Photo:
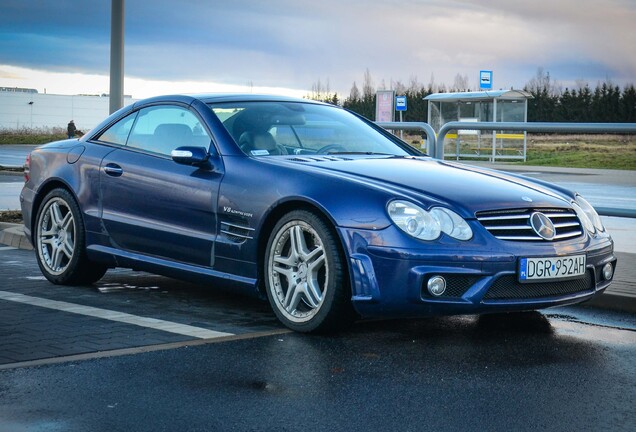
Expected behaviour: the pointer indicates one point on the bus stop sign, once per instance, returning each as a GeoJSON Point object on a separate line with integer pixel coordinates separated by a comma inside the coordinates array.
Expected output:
{"type": "Point", "coordinates": [400, 103]}
{"type": "Point", "coordinates": [485, 80]}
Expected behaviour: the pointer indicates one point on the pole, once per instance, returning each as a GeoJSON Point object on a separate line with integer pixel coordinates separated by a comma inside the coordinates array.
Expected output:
{"type": "Point", "coordinates": [425, 127]}
{"type": "Point", "coordinates": [116, 55]}
{"type": "Point", "coordinates": [494, 132]}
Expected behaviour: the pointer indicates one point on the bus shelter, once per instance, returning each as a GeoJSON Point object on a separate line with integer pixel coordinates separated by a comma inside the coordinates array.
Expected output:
{"type": "Point", "coordinates": [481, 106]}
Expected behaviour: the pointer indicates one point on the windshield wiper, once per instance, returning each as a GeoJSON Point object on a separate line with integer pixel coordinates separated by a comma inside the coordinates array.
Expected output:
{"type": "Point", "coordinates": [393, 156]}
{"type": "Point", "coordinates": [359, 153]}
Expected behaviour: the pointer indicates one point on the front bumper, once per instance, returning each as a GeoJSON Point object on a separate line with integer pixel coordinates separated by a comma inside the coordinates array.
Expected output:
{"type": "Point", "coordinates": [481, 275]}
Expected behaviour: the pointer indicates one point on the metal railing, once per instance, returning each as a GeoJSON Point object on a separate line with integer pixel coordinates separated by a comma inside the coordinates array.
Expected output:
{"type": "Point", "coordinates": [595, 128]}
{"type": "Point", "coordinates": [420, 126]}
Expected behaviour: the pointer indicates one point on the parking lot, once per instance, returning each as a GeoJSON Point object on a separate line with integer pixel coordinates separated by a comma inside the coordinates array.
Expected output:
{"type": "Point", "coordinates": [143, 352]}
{"type": "Point", "coordinates": [124, 310]}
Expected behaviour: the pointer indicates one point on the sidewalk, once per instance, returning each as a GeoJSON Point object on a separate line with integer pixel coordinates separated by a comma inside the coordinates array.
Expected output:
{"type": "Point", "coordinates": [620, 296]}
{"type": "Point", "coordinates": [13, 235]}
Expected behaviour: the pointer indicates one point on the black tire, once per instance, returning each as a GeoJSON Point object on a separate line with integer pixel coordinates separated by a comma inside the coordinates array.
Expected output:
{"type": "Point", "coordinates": [60, 242]}
{"type": "Point", "coordinates": [305, 277]}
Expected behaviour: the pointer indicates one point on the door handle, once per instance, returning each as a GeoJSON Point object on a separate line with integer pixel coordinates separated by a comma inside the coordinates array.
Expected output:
{"type": "Point", "coordinates": [113, 170]}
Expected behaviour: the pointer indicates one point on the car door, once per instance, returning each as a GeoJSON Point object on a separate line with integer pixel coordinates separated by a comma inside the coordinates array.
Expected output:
{"type": "Point", "coordinates": [152, 205]}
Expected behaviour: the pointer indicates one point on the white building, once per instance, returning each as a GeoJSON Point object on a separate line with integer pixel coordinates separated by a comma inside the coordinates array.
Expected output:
{"type": "Point", "coordinates": [24, 108]}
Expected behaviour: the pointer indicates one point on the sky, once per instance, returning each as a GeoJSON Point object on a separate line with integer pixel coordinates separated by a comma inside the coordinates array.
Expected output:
{"type": "Point", "coordinates": [286, 46]}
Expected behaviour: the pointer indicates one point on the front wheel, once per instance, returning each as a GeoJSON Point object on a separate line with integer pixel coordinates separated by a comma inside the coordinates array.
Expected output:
{"type": "Point", "coordinates": [305, 277]}
{"type": "Point", "coordinates": [60, 242]}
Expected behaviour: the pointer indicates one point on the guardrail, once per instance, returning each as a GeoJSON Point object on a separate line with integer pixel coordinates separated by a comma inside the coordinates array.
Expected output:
{"type": "Point", "coordinates": [435, 143]}
{"type": "Point", "coordinates": [612, 128]}
{"type": "Point", "coordinates": [431, 140]}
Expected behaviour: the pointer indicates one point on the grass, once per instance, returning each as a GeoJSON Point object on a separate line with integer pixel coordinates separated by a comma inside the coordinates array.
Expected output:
{"type": "Point", "coordinates": [573, 151]}
{"type": "Point", "coordinates": [31, 136]}
{"type": "Point", "coordinates": [609, 152]}
{"type": "Point", "coordinates": [11, 216]}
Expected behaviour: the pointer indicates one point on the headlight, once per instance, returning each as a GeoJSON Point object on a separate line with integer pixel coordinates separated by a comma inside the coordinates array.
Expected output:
{"type": "Point", "coordinates": [590, 214]}
{"type": "Point", "coordinates": [452, 224]}
{"type": "Point", "coordinates": [424, 225]}
{"type": "Point", "coordinates": [414, 220]}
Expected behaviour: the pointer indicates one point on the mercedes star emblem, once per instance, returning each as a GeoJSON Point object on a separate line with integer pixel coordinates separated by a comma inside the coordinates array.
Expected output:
{"type": "Point", "coordinates": [542, 225]}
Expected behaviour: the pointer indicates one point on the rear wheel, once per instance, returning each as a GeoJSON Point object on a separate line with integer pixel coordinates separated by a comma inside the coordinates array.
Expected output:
{"type": "Point", "coordinates": [60, 242]}
{"type": "Point", "coordinates": [305, 277]}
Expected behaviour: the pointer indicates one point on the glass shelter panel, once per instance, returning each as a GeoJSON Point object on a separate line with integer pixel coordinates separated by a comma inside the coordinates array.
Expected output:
{"type": "Point", "coordinates": [491, 106]}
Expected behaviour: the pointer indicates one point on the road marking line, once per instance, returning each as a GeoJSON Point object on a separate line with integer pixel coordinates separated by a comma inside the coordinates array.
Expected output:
{"type": "Point", "coordinates": [157, 324]}
{"type": "Point", "coordinates": [7, 248]}
{"type": "Point", "coordinates": [140, 349]}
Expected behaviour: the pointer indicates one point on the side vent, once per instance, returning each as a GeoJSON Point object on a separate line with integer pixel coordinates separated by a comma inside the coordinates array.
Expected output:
{"type": "Point", "coordinates": [237, 231]}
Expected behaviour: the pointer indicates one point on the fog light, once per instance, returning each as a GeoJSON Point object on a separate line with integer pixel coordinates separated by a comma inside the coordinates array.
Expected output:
{"type": "Point", "coordinates": [608, 271]}
{"type": "Point", "coordinates": [436, 285]}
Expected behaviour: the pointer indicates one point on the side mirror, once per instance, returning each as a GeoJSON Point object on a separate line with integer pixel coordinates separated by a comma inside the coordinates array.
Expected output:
{"type": "Point", "coordinates": [195, 156]}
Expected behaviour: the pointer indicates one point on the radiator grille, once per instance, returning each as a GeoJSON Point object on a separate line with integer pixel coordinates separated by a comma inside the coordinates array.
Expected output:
{"type": "Point", "coordinates": [514, 225]}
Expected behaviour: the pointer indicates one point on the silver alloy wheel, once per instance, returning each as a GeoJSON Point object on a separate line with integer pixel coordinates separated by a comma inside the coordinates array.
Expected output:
{"type": "Point", "coordinates": [298, 271]}
{"type": "Point", "coordinates": [56, 236]}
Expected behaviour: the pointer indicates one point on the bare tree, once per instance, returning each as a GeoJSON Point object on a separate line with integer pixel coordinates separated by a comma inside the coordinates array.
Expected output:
{"type": "Point", "coordinates": [432, 86]}
{"type": "Point", "coordinates": [581, 84]}
{"type": "Point", "coordinates": [368, 90]}
{"type": "Point", "coordinates": [542, 82]}
{"type": "Point", "coordinates": [319, 91]}
{"type": "Point", "coordinates": [399, 87]}
{"type": "Point", "coordinates": [461, 83]}
{"type": "Point", "coordinates": [414, 84]}
{"type": "Point", "coordinates": [322, 92]}
{"type": "Point", "coordinates": [354, 94]}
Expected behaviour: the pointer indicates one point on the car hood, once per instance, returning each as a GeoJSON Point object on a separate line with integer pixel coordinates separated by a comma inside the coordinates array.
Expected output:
{"type": "Point", "coordinates": [465, 187]}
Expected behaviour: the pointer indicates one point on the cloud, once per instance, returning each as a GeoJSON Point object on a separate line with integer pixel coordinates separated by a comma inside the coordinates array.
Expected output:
{"type": "Point", "coordinates": [83, 83]}
{"type": "Point", "coordinates": [293, 43]}
{"type": "Point", "coordinates": [10, 73]}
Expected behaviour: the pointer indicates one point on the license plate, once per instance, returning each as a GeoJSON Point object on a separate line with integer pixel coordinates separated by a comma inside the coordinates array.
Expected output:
{"type": "Point", "coordinates": [551, 268]}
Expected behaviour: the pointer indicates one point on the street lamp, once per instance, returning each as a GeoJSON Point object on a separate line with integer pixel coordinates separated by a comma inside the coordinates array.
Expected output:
{"type": "Point", "coordinates": [116, 56]}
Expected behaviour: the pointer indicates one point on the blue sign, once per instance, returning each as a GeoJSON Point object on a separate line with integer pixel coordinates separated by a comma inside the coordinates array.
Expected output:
{"type": "Point", "coordinates": [485, 80]}
{"type": "Point", "coordinates": [400, 103]}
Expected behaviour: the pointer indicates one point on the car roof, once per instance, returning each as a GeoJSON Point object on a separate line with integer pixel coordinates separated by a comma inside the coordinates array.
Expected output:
{"type": "Point", "coordinates": [248, 97]}
{"type": "Point", "coordinates": [224, 97]}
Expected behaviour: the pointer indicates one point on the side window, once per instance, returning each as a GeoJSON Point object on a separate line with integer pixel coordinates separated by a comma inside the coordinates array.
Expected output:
{"type": "Point", "coordinates": [118, 133]}
{"type": "Point", "coordinates": [161, 129]}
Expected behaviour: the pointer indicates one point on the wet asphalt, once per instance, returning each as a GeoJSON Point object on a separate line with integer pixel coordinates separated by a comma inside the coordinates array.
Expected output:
{"type": "Point", "coordinates": [567, 369]}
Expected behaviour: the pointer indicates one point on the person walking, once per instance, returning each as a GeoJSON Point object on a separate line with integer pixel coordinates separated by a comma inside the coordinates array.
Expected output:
{"type": "Point", "coordinates": [71, 129]}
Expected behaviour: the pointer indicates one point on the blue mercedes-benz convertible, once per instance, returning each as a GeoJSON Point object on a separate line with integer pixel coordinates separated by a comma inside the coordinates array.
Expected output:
{"type": "Point", "coordinates": [328, 215]}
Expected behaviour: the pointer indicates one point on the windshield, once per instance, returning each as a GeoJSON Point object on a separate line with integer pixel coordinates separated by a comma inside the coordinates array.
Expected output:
{"type": "Point", "coordinates": [296, 128]}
